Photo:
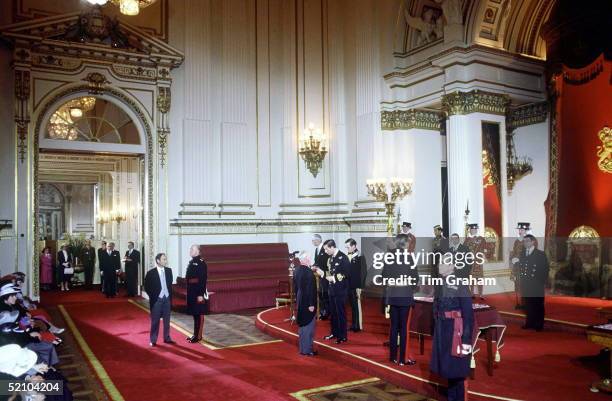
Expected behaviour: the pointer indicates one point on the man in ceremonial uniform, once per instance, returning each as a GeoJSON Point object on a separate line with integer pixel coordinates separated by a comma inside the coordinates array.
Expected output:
{"type": "Point", "coordinates": [101, 251]}
{"type": "Point", "coordinates": [337, 277]}
{"type": "Point", "coordinates": [533, 270]}
{"type": "Point", "coordinates": [439, 246]}
{"type": "Point", "coordinates": [515, 254]}
{"type": "Point", "coordinates": [320, 260]}
{"type": "Point", "coordinates": [407, 230]}
{"type": "Point", "coordinates": [132, 261]}
{"type": "Point", "coordinates": [88, 258]}
{"type": "Point", "coordinates": [110, 263]}
{"type": "Point", "coordinates": [357, 276]}
{"type": "Point", "coordinates": [197, 295]}
{"type": "Point", "coordinates": [451, 347]}
{"type": "Point", "coordinates": [476, 244]}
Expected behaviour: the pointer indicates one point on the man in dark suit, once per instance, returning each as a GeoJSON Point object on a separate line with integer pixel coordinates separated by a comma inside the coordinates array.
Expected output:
{"type": "Point", "coordinates": [337, 277]}
{"type": "Point", "coordinates": [88, 258]}
{"type": "Point", "coordinates": [459, 252]}
{"type": "Point", "coordinates": [101, 251]}
{"type": "Point", "coordinates": [320, 261]}
{"type": "Point", "coordinates": [132, 261]}
{"type": "Point", "coordinates": [158, 286]}
{"type": "Point", "coordinates": [357, 277]}
{"type": "Point", "coordinates": [533, 270]}
{"type": "Point", "coordinates": [111, 265]}
{"type": "Point", "coordinates": [306, 297]}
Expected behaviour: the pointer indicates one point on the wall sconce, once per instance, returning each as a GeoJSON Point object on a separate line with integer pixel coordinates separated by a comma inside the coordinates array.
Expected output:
{"type": "Point", "coordinates": [118, 215]}
{"type": "Point", "coordinates": [103, 217]}
{"type": "Point", "coordinates": [312, 149]}
{"type": "Point", "coordinates": [389, 192]}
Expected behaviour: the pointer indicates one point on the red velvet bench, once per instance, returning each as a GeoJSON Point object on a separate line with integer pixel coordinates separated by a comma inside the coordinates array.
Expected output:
{"type": "Point", "coordinates": [242, 276]}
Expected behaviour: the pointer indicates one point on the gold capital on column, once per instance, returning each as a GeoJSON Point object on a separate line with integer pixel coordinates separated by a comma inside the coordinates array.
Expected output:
{"type": "Point", "coordinates": [475, 101]}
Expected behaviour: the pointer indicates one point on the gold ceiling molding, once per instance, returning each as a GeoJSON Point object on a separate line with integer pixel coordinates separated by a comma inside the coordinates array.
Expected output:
{"type": "Point", "coordinates": [476, 101]}
{"type": "Point", "coordinates": [409, 119]}
{"type": "Point", "coordinates": [153, 20]}
{"type": "Point", "coordinates": [604, 152]}
{"type": "Point", "coordinates": [528, 114]}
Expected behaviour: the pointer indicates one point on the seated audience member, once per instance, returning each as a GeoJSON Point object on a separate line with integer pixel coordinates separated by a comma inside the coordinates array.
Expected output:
{"type": "Point", "coordinates": [14, 331]}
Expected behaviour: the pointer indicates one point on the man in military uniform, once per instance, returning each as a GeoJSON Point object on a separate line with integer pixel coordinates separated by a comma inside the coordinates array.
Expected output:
{"type": "Point", "coordinates": [88, 258]}
{"type": "Point", "coordinates": [533, 270]}
{"type": "Point", "coordinates": [320, 260]}
{"type": "Point", "coordinates": [476, 244]}
{"type": "Point", "coordinates": [439, 246]}
{"type": "Point", "coordinates": [407, 230]}
{"type": "Point", "coordinates": [357, 276]}
{"type": "Point", "coordinates": [516, 252]}
{"type": "Point", "coordinates": [337, 277]}
{"type": "Point", "coordinates": [197, 275]}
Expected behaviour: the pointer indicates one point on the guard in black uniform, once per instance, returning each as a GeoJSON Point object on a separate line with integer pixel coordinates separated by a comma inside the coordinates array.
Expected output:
{"type": "Point", "coordinates": [398, 300]}
{"type": "Point", "coordinates": [320, 261]}
{"type": "Point", "coordinates": [337, 277]}
{"type": "Point", "coordinates": [452, 338]}
{"type": "Point", "coordinates": [439, 246]}
{"type": "Point", "coordinates": [533, 270]}
{"type": "Point", "coordinates": [459, 252]}
{"type": "Point", "coordinates": [357, 276]}
{"type": "Point", "coordinates": [197, 295]}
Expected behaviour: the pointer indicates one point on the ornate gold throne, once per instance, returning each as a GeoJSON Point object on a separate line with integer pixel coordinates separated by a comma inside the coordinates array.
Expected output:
{"type": "Point", "coordinates": [581, 271]}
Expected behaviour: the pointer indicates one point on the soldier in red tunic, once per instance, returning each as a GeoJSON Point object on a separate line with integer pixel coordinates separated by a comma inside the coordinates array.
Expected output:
{"type": "Point", "coordinates": [477, 244]}
{"type": "Point", "coordinates": [407, 230]}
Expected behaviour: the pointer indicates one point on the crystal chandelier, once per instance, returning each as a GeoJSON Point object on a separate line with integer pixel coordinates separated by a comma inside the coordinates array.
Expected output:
{"type": "Point", "coordinates": [61, 125]}
{"type": "Point", "coordinates": [80, 106]}
{"type": "Point", "coordinates": [126, 7]}
{"type": "Point", "coordinates": [516, 167]}
{"type": "Point", "coordinates": [313, 150]}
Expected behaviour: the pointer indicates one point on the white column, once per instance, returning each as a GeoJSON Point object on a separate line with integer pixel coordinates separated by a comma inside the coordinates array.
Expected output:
{"type": "Point", "coordinates": [464, 153]}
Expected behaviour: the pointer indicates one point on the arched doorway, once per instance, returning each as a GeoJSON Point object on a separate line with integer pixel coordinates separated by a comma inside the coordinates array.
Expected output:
{"type": "Point", "coordinates": [94, 147]}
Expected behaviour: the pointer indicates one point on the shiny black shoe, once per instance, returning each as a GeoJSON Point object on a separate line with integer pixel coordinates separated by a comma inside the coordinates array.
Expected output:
{"type": "Point", "coordinates": [328, 337]}
{"type": "Point", "coordinates": [409, 362]}
{"type": "Point", "coordinates": [194, 340]}
{"type": "Point", "coordinates": [169, 342]}
{"type": "Point", "coordinates": [313, 353]}
{"type": "Point", "coordinates": [340, 340]}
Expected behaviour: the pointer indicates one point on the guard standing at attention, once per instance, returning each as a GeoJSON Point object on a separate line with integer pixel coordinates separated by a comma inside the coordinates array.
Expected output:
{"type": "Point", "coordinates": [197, 295]}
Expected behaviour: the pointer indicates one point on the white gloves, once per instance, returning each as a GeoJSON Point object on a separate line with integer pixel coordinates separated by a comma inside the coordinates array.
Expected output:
{"type": "Point", "coordinates": [464, 349]}
{"type": "Point", "coordinates": [331, 279]}
{"type": "Point", "coordinates": [514, 260]}
{"type": "Point", "coordinates": [206, 294]}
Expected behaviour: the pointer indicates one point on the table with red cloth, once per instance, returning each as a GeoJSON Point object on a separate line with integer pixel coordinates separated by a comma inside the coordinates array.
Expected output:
{"type": "Point", "coordinates": [488, 326]}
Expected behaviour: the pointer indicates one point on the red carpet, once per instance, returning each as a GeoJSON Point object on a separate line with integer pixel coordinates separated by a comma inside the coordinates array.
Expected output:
{"type": "Point", "coordinates": [546, 366]}
{"type": "Point", "coordinates": [567, 309]}
{"type": "Point", "coordinates": [117, 333]}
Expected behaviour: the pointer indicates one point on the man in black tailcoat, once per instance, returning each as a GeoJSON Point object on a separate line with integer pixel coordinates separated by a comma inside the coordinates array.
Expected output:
{"type": "Point", "coordinates": [132, 261]}
{"type": "Point", "coordinates": [197, 295]}
{"type": "Point", "coordinates": [101, 251]}
{"type": "Point", "coordinates": [357, 277]}
{"type": "Point", "coordinates": [88, 258]}
{"type": "Point", "coordinates": [111, 264]}
{"type": "Point", "coordinates": [459, 252]}
{"type": "Point", "coordinates": [305, 285]}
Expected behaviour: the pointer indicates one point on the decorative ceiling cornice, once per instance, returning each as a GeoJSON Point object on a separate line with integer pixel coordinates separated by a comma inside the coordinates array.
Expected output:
{"type": "Point", "coordinates": [528, 114]}
{"type": "Point", "coordinates": [409, 119]}
{"type": "Point", "coordinates": [475, 101]}
{"type": "Point", "coordinates": [92, 35]}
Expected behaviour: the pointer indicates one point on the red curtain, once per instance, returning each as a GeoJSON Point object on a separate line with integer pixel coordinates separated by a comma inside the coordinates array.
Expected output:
{"type": "Point", "coordinates": [492, 209]}
{"type": "Point", "coordinates": [584, 107]}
